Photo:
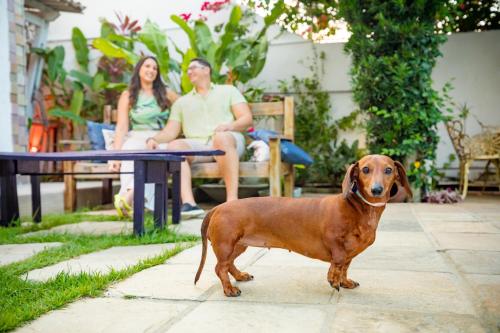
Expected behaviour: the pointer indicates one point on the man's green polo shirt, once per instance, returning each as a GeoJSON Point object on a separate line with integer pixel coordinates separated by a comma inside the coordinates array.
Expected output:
{"type": "Point", "coordinates": [200, 115]}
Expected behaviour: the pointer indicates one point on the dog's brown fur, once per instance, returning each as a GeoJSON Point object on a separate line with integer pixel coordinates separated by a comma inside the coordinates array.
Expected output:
{"type": "Point", "coordinates": [334, 229]}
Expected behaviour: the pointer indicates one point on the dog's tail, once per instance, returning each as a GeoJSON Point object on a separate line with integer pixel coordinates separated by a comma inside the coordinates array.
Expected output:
{"type": "Point", "coordinates": [204, 228]}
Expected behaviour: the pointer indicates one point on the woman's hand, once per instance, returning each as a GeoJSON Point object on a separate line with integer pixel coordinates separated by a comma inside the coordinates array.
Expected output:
{"type": "Point", "coordinates": [152, 143]}
{"type": "Point", "coordinates": [114, 166]}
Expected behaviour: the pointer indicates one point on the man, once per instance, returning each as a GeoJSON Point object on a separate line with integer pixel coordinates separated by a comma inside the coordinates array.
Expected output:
{"type": "Point", "coordinates": [211, 116]}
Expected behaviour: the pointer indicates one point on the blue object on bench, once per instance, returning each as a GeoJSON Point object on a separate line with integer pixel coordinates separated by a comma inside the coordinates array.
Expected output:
{"type": "Point", "coordinates": [290, 152]}
{"type": "Point", "coordinates": [96, 138]}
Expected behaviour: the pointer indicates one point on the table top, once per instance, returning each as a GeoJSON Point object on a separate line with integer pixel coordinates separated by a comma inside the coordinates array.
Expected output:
{"type": "Point", "coordinates": [155, 155]}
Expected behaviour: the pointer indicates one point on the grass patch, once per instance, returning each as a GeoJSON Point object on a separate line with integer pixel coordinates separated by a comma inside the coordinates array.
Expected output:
{"type": "Point", "coordinates": [22, 300]}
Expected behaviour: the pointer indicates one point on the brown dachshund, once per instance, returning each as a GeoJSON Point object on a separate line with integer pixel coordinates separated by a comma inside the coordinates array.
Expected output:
{"type": "Point", "coordinates": [334, 229]}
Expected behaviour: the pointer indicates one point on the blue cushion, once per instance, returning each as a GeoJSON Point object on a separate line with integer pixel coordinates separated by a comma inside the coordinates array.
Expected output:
{"type": "Point", "coordinates": [290, 152]}
{"type": "Point", "coordinates": [95, 134]}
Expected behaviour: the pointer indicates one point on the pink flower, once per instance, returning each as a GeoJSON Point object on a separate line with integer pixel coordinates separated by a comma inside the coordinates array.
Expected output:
{"type": "Point", "coordinates": [185, 16]}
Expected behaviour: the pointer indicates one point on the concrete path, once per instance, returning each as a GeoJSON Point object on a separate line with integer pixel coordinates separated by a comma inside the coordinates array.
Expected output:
{"type": "Point", "coordinates": [117, 258]}
{"type": "Point", "coordinates": [10, 253]}
{"type": "Point", "coordinates": [87, 228]}
{"type": "Point", "coordinates": [432, 269]}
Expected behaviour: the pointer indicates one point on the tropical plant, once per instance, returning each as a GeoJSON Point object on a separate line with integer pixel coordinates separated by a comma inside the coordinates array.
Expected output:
{"type": "Point", "coordinates": [236, 55]}
{"type": "Point", "coordinates": [315, 130]}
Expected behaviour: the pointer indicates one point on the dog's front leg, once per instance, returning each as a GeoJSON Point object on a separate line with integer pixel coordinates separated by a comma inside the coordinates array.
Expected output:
{"type": "Point", "coordinates": [345, 282]}
{"type": "Point", "coordinates": [336, 266]}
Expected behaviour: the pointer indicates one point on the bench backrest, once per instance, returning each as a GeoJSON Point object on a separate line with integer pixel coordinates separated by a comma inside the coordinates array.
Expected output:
{"type": "Point", "coordinates": [282, 109]}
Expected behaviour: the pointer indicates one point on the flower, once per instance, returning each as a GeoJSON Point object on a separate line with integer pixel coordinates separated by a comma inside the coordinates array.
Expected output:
{"type": "Point", "coordinates": [416, 164]}
{"type": "Point", "coordinates": [185, 16]}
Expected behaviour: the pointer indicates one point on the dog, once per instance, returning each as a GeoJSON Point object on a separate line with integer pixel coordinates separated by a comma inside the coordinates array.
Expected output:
{"type": "Point", "coordinates": [334, 229]}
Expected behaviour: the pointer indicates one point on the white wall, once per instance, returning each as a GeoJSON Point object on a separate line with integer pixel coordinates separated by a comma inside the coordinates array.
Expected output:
{"type": "Point", "coordinates": [6, 143]}
{"type": "Point", "coordinates": [472, 59]}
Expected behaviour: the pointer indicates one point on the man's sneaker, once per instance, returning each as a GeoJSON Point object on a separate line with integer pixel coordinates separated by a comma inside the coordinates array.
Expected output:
{"type": "Point", "coordinates": [189, 211]}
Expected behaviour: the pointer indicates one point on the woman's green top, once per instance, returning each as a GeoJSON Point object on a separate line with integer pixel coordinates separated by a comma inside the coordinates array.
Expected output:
{"type": "Point", "coordinates": [147, 114]}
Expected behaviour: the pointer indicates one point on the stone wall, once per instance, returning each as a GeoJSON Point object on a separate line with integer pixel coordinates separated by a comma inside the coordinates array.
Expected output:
{"type": "Point", "coordinates": [17, 57]}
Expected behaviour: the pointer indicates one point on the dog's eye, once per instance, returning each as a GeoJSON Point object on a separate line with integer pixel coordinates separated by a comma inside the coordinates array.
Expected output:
{"type": "Point", "coordinates": [388, 171]}
{"type": "Point", "coordinates": [366, 170]}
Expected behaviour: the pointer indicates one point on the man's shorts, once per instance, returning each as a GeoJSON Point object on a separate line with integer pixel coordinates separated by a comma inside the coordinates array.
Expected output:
{"type": "Point", "coordinates": [202, 144]}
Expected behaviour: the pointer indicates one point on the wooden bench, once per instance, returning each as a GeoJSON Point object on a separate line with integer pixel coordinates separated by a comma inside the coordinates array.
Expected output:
{"type": "Point", "coordinates": [274, 169]}
{"type": "Point", "coordinates": [281, 113]}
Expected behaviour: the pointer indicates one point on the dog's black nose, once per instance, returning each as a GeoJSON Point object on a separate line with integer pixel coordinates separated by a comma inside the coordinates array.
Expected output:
{"type": "Point", "coordinates": [377, 189]}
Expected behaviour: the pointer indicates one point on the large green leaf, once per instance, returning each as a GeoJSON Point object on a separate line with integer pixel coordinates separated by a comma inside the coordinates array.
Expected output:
{"type": "Point", "coordinates": [187, 29]}
{"type": "Point", "coordinates": [61, 113]}
{"type": "Point", "coordinates": [259, 55]}
{"type": "Point", "coordinates": [276, 12]}
{"type": "Point", "coordinates": [185, 82]}
{"type": "Point", "coordinates": [55, 61]}
{"type": "Point", "coordinates": [77, 102]}
{"type": "Point", "coordinates": [98, 82]}
{"type": "Point", "coordinates": [156, 41]}
{"type": "Point", "coordinates": [229, 33]}
{"type": "Point", "coordinates": [114, 51]}
{"type": "Point", "coordinates": [115, 86]}
{"type": "Point", "coordinates": [81, 48]}
{"type": "Point", "coordinates": [106, 29]}
{"type": "Point", "coordinates": [203, 38]}
{"type": "Point", "coordinates": [82, 77]}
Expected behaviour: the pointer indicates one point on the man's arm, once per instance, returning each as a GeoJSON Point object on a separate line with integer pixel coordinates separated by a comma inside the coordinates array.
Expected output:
{"type": "Point", "coordinates": [169, 133]}
{"type": "Point", "coordinates": [243, 119]}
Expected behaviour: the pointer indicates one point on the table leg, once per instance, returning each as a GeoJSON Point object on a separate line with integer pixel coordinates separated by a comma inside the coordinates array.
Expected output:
{"type": "Point", "coordinates": [139, 180]}
{"type": "Point", "coordinates": [159, 205]}
{"type": "Point", "coordinates": [36, 203]}
{"type": "Point", "coordinates": [9, 205]}
{"type": "Point", "coordinates": [176, 195]}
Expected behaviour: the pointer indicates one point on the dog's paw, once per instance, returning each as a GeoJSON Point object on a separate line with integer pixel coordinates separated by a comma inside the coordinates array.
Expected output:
{"type": "Point", "coordinates": [244, 277]}
{"type": "Point", "coordinates": [349, 284]}
{"type": "Point", "coordinates": [335, 285]}
{"type": "Point", "coordinates": [232, 292]}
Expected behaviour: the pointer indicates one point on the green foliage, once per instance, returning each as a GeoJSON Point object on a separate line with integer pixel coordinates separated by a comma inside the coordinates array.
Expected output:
{"type": "Point", "coordinates": [23, 300]}
{"type": "Point", "coordinates": [394, 49]}
{"type": "Point", "coordinates": [236, 55]}
{"type": "Point", "coordinates": [81, 48]}
{"type": "Point", "coordinates": [316, 132]}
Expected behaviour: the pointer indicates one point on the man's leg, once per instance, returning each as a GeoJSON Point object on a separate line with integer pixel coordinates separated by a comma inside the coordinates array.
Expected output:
{"type": "Point", "coordinates": [186, 184]}
{"type": "Point", "coordinates": [228, 163]}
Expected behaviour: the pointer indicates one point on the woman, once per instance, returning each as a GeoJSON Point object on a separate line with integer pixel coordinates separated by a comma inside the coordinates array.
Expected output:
{"type": "Point", "coordinates": [143, 107]}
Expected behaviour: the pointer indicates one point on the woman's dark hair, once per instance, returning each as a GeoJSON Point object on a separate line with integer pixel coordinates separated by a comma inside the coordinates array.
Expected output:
{"type": "Point", "coordinates": [159, 88]}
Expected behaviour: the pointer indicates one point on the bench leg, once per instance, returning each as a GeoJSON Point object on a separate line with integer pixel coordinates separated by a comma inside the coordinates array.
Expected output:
{"type": "Point", "coordinates": [289, 181]}
{"type": "Point", "coordinates": [69, 187]}
{"type": "Point", "coordinates": [274, 168]}
{"type": "Point", "coordinates": [159, 206]}
{"type": "Point", "coordinates": [107, 191]}
{"type": "Point", "coordinates": [36, 199]}
{"type": "Point", "coordinates": [9, 205]}
{"type": "Point", "coordinates": [176, 194]}
{"type": "Point", "coordinates": [139, 180]}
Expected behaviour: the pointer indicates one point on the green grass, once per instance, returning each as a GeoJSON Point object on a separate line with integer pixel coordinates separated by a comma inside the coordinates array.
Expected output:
{"type": "Point", "coordinates": [22, 300]}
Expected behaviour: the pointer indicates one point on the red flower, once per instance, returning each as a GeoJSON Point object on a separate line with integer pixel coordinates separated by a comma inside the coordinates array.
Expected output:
{"type": "Point", "coordinates": [185, 16]}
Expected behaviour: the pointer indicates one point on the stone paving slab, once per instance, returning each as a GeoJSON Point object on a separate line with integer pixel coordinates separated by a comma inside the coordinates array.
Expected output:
{"type": "Point", "coordinates": [468, 241]}
{"type": "Point", "coordinates": [118, 257]}
{"type": "Point", "coordinates": [354, 318]}
{"type": "Point", "coordinates": [107, 315]}
{"type": "Point", "coordinates": [281, 285]}
{"type": "Point", "coordinates": [216, 317]}
{"type": "Point", "coordinates": [87, 228]}
{"type": "Point", "coordinates": [481, 262]}
{"type": "Point", "coordinates": [175, 279]}
{"type": "Point", "coordinates": [403, 239]}
{"type": "Point", "coordinates": [188, 227]}
{"type": "Point", "coordinates": [409, 291]}
{"type": "Point", "coordinates": [168, 282]}
{"type": "Point", "coordinates": [463, 227]}
{"type": "Point", "coordinates": [107, 212]}
{"type": "Point", "coordinates": [488, 289]}
{"type": "Point", "coordinates": [10, 253]}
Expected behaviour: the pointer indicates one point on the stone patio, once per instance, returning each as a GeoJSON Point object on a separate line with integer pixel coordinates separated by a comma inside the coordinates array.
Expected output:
{"type": "Point", "coordinates": [432, 268]}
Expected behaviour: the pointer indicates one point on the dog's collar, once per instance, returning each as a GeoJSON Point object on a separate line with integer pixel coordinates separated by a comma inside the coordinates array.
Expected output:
{"type": "Point", "coordinates": [376, 204]}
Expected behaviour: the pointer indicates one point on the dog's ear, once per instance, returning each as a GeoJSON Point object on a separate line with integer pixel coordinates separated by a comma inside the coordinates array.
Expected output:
{"type": "Point", "coordinates": [402, 179]}
{"type": "Point", "coordinates": [350, 177]}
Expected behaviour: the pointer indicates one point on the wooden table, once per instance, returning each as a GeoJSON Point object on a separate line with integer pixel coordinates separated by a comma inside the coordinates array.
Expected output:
{"type": "Point", "coordinates": [150, 166]}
